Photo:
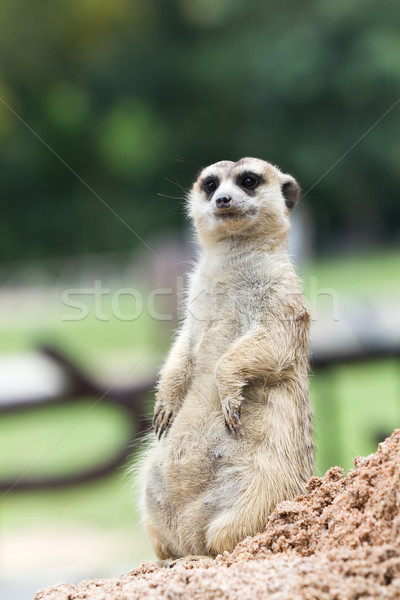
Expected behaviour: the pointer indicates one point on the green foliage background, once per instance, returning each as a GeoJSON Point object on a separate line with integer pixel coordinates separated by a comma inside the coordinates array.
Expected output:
{"type": "Point", "coordinates": [129, 93]}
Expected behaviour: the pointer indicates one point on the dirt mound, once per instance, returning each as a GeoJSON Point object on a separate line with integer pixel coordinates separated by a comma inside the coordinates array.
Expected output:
{"type": "Point", "coordinates": [340, 540]}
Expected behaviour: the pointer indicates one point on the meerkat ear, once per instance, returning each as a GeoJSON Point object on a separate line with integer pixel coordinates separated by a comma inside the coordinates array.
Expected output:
{"type": "Point", "coordinates": [291, 192]}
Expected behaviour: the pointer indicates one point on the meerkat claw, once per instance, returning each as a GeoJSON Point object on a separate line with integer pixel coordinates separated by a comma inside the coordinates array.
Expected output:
{"type": "Point", "coordinates": [233, 422]}
{"type": "Point", "coordinates": [232, 412]}
{"type": "Point", "coordinates": [162, 421]}
{"type": "Point", "coordinates": [233, 429]}
{"type": "Point", "coordinates": [236, 417]}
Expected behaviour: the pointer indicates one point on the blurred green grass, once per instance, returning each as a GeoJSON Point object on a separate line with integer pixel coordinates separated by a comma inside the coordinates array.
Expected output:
{"type": "Point", "coordinates": [360, 274]}
{"type": "Point", "coordinates": [47, 319]}
{"type": "Point", "coordinates": [69, 437]}
{"type": "Point", "coordinates": [353, 405]}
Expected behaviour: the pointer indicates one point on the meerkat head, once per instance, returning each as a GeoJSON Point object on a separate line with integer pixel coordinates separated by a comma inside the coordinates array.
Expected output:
{"type": "Point", "coordinates": [249, 198]}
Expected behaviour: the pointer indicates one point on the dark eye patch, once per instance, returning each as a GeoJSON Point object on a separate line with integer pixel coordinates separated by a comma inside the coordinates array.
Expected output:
{"type": "Point", "coordinates": [210, 184]}
{"type": "Point", "coordinates": [248, 181]}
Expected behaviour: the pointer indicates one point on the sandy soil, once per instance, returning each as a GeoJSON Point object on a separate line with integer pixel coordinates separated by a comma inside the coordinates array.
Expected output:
{"type": "Point", "coordinates": [341, 541]}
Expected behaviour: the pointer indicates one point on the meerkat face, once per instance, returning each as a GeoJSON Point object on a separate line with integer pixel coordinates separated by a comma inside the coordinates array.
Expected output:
{"type": "Point", "coordinates": [249, 198]}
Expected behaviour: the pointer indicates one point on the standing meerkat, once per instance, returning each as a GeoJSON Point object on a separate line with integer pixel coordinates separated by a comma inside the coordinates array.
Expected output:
{"type": "Point", "coordinates": [232, 419]}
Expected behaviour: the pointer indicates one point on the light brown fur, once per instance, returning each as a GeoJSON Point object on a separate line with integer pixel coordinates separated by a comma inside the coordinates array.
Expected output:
{"type": "Point", "coordinates": [232, 415]}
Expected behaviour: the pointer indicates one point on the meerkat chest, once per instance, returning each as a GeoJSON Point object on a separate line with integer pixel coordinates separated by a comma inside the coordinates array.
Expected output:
{"type": "Point", "coordinates": [229, 300]}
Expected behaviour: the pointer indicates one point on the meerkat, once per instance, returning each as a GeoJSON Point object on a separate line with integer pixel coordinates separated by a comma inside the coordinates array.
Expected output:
{"type": "Point", "coordinates": [232, 417]}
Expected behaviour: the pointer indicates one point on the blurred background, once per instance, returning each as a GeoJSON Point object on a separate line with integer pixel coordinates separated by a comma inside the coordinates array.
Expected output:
{"type": "Point", "coordinates": [107, 112]}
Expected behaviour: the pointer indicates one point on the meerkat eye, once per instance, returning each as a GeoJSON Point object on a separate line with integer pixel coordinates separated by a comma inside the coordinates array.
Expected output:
{"type": "Point", "coordinates": [249, 181]}
{"type": "Point", "coordinates": [210, 185]}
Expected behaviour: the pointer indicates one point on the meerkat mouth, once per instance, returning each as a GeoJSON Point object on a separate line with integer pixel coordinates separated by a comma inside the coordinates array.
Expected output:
{"type": "Point", "coordinates": [228, 215]}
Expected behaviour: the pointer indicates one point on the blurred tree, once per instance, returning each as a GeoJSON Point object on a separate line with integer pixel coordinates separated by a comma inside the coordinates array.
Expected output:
{"type": "Point", "coordinates": [121, 90]}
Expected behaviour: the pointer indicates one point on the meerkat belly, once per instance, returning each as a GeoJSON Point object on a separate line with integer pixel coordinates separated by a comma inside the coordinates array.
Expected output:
{"type": "Point", "coordinates": [195, 474]}
{"type": "Point", "coordinates": [185, 460]}
{"type": "Point", "coordinates": [183, 489]}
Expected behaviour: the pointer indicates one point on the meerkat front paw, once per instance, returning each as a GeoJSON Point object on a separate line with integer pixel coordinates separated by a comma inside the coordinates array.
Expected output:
{"type": "Point", "coordinates": [231, 408]}
{"type": "Point", "coordinates": [163, 417]}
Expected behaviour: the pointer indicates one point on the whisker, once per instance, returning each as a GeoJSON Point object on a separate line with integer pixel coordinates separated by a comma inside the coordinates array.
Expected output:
{"type": "Point", "coordinates": [186, 190]}
{"type": "Point", "coordinates": [172, 197]}
{"type": "Point", "coordinates": [188, 162]}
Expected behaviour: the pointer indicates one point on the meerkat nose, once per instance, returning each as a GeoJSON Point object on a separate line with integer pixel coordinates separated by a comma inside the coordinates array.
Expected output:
{"type": "Point", "coordinates": [223, 201]}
